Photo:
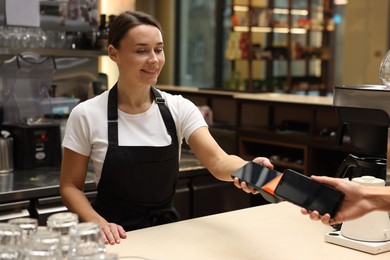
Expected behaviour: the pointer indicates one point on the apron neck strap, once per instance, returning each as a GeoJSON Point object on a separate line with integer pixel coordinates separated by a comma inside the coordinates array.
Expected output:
{"type": "Point", "coordinates": [166, 115]}
{"type": "Point", "coordinates": [112, 115]}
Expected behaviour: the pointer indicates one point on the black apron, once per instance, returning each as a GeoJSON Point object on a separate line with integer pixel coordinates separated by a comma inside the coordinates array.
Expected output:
{"type": "Point", "coordinates": [137, 183]}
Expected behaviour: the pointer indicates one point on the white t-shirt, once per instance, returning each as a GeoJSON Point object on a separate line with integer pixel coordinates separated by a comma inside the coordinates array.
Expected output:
{"type": "Point", "coordinates": [86, 128]}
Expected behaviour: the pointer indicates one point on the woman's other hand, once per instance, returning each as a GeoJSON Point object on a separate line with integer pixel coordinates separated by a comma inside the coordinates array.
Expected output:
{"type": "Point", "coordinates": [112, 233]}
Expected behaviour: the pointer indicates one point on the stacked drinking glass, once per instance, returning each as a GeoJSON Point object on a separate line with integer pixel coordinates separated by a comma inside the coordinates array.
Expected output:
{"type": "Point", "coordinates": [62, 238]}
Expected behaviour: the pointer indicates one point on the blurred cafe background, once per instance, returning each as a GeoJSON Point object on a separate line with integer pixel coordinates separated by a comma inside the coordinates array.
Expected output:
{"type": "Point", "coordinates": [263, 73]}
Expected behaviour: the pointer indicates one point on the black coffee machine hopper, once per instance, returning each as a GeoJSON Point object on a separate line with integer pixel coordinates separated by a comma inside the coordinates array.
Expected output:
{"type": "Point", "coordinates": [363, 112]}
{"type": "Point", "coordinates": [367, 129]}
{"type": "Point", "coordinates": [354, 166]}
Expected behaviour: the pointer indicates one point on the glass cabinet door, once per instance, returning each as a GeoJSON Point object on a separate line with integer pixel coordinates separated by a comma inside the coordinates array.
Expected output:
{"type": "Point", "coordinates": [196, 43]}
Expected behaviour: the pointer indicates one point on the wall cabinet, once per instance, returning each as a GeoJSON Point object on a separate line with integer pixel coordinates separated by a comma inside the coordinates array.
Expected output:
{"type": "Point", "coordinates": [280, 45]}
{"type": "Point", "coordinates": [295, 131]}
{"type": "Point", "coordinates": [283, 155]}
{"type": "Point", "coordinates": [211, 196]}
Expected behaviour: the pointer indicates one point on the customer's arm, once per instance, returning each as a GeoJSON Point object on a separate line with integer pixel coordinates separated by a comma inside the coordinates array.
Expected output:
{"type": "Point", "coordinates": [358, 201]}
{"type": "Point", "coordinates": [73, 174]}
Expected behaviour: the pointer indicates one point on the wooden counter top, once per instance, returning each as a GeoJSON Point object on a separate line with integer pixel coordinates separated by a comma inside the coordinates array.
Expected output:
{"type": "Point", "coordinates": [195, 90]}
{"type": "Point", "coordinates": [270, 97]}
{"type": "Point", "coordinates": [286, 98]}
{"type": "Point", "coordinates": [276, 231]}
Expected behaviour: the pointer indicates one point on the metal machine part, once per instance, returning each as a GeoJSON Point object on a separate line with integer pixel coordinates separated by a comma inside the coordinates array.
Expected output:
{"type": "Point", "coordinates": [365, 110]}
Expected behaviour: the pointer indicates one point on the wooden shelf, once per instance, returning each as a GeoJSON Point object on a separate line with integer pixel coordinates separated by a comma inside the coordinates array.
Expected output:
{"type": "Point", "coordinates": [277, 29]}
{"type": "Point", "coordinates": [52, 52]}
{"type": "Point", "coordinates": [282, 154]}
{"type": "Point", "coordinates": [288, 165]}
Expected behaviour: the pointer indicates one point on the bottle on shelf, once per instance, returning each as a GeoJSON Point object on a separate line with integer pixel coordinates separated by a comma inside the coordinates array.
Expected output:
{"type": "Point", "coordinates": [102, 35]}
{"type": "Point", "coordinates": [281, 39]}
{"type": "Point", "coordinates": [110, 19]}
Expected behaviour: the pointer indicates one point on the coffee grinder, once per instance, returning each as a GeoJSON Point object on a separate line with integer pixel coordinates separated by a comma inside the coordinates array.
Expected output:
{"type": "Point", "coordinates": [24, 94]}
{"type": "Point", "coordinates": [364, 111]}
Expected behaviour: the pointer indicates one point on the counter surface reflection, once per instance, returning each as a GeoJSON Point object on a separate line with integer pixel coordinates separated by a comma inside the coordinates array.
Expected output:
{"type": "Point", "coordinates": [275, 231]}
{"type": "Point", "coordinates": [44, 181]}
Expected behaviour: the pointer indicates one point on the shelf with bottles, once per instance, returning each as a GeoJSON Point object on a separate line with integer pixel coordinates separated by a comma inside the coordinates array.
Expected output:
{"type": "Point", "coordinates": [298, 79]}
{"type": "Point", "coordinates": [51, 43]}
{"type": "Point", "coordinates": [278, 84]}
{"type": "Point", "coordinates": [87, 43]}
{"type": "Point", "coordinates": [243, 46]}
{"type": "Point", "coordinates": [296, 53]}
{"type": "Point", "coordinates": [269, 39]}
{"type": "Point", "coordinates": [246, 18]}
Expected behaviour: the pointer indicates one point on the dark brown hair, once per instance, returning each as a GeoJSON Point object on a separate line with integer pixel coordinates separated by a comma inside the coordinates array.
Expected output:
{"type": "Point", "coordinates": [126, 21]}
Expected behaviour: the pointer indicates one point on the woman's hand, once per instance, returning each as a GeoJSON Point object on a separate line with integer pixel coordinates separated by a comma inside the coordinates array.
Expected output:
{"type": "Point", "coordinates": [263, 161]}
{"type": "Point", "coordinates": [242, 185]}
{"type": "Point", "coordinates": [112, 233]}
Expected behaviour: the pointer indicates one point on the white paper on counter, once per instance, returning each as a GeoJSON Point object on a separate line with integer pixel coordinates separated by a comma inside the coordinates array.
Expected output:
{"type": "Point", "coordinates": [22, 12]}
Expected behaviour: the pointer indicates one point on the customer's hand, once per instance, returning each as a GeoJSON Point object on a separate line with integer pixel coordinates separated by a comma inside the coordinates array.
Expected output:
{"type": "Point", "coordinates": [354, 205]}
{"type": "Point", "coordinates": [112, 233]}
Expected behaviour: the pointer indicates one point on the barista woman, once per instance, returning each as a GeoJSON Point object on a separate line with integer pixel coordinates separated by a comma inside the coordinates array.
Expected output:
{"type": "Point", "coordinates": [133, 134]}
{"type": "Point", "coordinates": [358, 201]}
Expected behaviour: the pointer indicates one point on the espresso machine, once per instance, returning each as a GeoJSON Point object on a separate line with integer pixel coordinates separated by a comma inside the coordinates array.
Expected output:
{"type": "Point", "coordinates": [364, 115]}
{"type": "Point", "coordinates": [364, 112]}
{"type": "Point", "coordinates": [25, 81]}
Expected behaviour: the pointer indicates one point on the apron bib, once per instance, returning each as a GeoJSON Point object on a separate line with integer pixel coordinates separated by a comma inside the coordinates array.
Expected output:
{"type": "Point", "coordinates": [138, 183]}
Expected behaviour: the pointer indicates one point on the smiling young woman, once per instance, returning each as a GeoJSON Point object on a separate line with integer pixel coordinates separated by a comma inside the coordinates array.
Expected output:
{"type": "Point", "coordinates": [133, 135]}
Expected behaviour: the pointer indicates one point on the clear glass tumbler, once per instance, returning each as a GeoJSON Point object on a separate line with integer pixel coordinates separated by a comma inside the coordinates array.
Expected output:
{"type": "Point", "coordinates": [28, 226]}
{"type": "Point", "coordinates": [86, 240]}
{"type": "Point", "coordinates": [10, 241]}
{"type": "Point", "coordinates": [62, 222]}
{"type": "Point", "coordinates": [9, 253]}
{"type": "Point", "coordinates": [43, 245]}
{"type": "Point", "coordinates": [10, 234]}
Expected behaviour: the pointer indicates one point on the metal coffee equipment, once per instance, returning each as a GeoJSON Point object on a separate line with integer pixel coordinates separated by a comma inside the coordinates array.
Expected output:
{"type": "Point", "coordinates": [24, 92]}
{"type": "Point", "coordinates": [354, 166]}
{"type": "Point", "coordinates": [6, 152]}
{"type": "Point", "coordinates": [363, 111]}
